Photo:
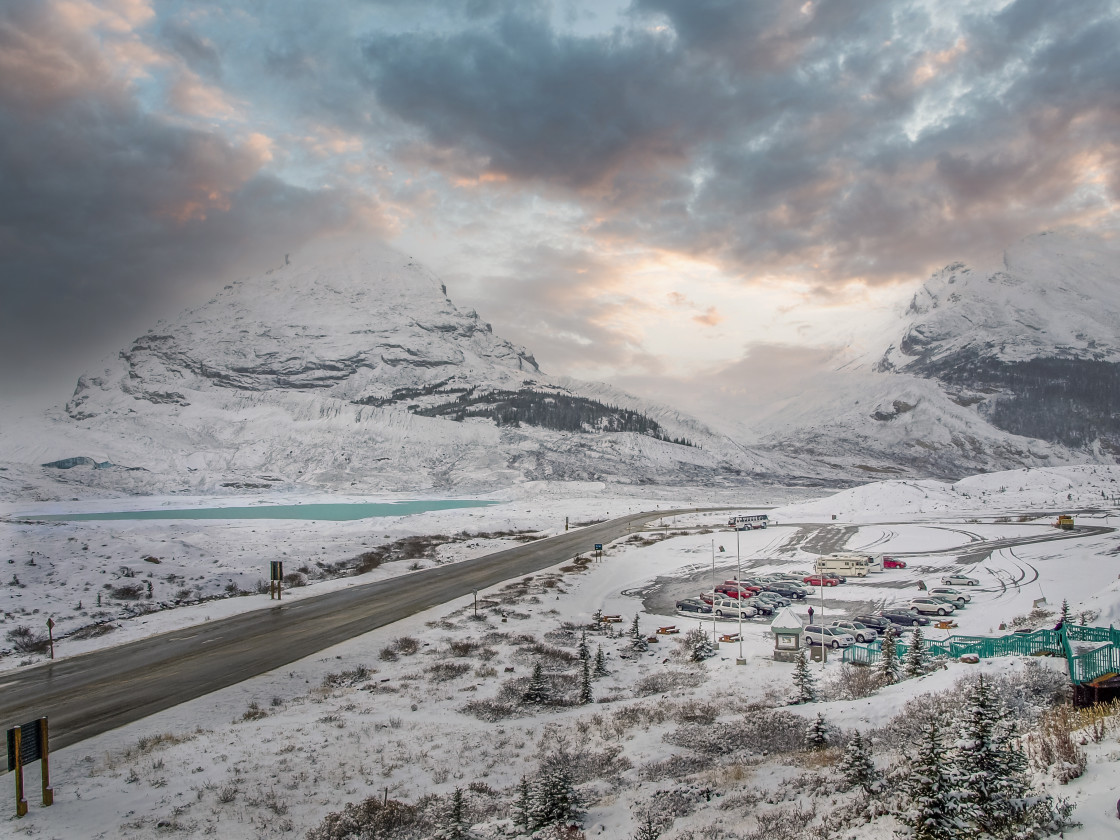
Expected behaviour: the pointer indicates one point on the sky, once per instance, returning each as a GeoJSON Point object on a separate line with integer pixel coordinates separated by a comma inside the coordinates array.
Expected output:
{"type": "Point", "coordinates": [670, 195]}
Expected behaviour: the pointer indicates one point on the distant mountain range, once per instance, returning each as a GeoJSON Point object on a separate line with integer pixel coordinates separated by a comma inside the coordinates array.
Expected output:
{"type": "Point", "coordinates": [350, 369]}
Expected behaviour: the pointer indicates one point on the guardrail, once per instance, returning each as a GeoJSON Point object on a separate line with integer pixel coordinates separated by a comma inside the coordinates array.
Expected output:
{"type": "Point", "coordinates": [1083, 667]}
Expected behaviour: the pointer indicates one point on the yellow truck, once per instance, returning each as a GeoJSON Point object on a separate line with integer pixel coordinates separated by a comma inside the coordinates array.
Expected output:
{"type": "Point", "coordinates": [1064, 522]}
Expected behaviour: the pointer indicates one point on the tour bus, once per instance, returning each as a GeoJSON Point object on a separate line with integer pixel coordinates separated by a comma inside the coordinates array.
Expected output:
{"type": "Point", "coordinates": [749, 523]}
{"type": "Point", "coordinates": [853, 565]}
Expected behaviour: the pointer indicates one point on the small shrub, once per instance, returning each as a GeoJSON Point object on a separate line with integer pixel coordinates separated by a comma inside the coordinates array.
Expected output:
{"type": "Point", "coordinates": [406, 645]}
{"type": "Point", "coordinates": [352, 677]}
{"type": "Point", "coordinates": [444, 671]}
{"type": "Point", "coordinates": [371, 818]}
{"type": "Point", "coordinates": [462, 647]}
{"type": "Point", "coordinates": [127, 591]}
{"type": "Point", "coordinates": [25, 640]}
{"type": "Point", "coordinates": [490, 711]}
{"type": "Point", "coordinates": [254, 712]}
{"type": "Point", "coordinates": [666, 681]}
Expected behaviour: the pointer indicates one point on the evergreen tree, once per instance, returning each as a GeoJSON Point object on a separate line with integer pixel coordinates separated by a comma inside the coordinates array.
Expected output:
{"type": "Point", "coordinates": [996, 795]}
{"type": "Point", "coordinates": [585, 695]}
{"type": "Point", "coordinates": [455, 827]}
{"type": "Point", "coordinates": [857, 766]}
{"type": "Point", "coordinates": [702, 648]}
{"type": "Point", "coordinates": [928, 787]}
{"type": "Point", "coordinates": [582, 649]}
{"type": "Point", "coordinates": [538, 691]}
{"type": "Point", "coordinates": [887, 668]}
{"type": "Point", "coordinates": [915, 655]}
{"type": "Point", "coordinates": [600, 663]}
{"type": "Point", "coordinates": [1065, 617]}
{"type": "Point", "coordinates": [555, 799]}
{"type": "Point", "coordinates": [804, 687]}
{"type": "Point", "coordinates": [647, 829]}
{"type": "Point", "coordinates": [816, 736]}
{"type": "Point", "coordinates": [523, 807]}
{"type": "Point", "coordinates": [635, 631]}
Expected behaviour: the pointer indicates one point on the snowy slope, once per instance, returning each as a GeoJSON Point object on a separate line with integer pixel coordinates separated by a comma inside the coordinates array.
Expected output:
{"type": "Point", "coordinates": [313, 375]}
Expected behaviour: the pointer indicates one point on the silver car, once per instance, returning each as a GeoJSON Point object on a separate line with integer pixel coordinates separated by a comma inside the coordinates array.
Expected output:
{"type": "Point", "coordinates": [931, 605]}
{"type": "Point", "coordinates": [958, 580]}
{"type": "Point", "coordinates": [961, 598]}
{"type": "Point", "coordinates": [834, 637]}
{"type": "Point", "coordinates": [862, 632]}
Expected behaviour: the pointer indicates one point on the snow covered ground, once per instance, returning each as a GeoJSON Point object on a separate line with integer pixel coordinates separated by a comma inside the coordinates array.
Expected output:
{"type": "Point", "coordinates": [424, 706]}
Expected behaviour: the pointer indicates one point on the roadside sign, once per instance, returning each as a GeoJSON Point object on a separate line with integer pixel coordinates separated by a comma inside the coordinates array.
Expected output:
{"type": "Point", "coordinates": [276, 579]}
{"type": "Point", "coordinates": [28, 743]}
{"type": "Point", "coordinates": [598, 546]}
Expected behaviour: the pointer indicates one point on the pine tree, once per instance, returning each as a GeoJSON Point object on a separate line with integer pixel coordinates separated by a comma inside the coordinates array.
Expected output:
{"type": "Point", "coordinates": [523, 807]}
{"type": "Point", "coordinates": [555, 799]}
{"type": "Point", "coordinates": [635, 631]}
{"type": "Point", "coordinates": [600, 663]}
{"type": "Point", "coordinates": [928, 787]}
{"type": "Point", "coordinates": [455, 827]}
{"type": "Point", "coordinates": [887, 668]}
{"type": "Point", "coordinates": [647, 829]}
{"type": "Point", "coordinates": [996, 793]}
{"type": "Point", "coordinates": [585, 695]}
{"type": "Point", "coordinates": [702, 648]}
{"type": "Point", "coordinates": [816, 736]}
{"type": "Point", "coordinates": [915, 655]}
{"type": "Point", "coordinates": [582, 649]}
{"type": "Point", "coordinates": [857, 766]}
{"type": "Point", "coordinates": [805, 689]}
{"type": "Point", "coordinates": [1065, 617]}
{"type": "Point", "coordinates": [538, 690]}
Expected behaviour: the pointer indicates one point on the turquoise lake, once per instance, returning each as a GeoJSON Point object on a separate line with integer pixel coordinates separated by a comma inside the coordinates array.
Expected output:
{"type": "Point", "coordinates": [341, 512]}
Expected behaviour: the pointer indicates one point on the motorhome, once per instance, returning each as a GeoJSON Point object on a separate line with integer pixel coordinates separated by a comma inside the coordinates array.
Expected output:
{"type": "Point", "coordinates": [852, 565]}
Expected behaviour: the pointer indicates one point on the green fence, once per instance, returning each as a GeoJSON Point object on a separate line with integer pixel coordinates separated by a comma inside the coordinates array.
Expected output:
{"type": "Point", "coordinates": [1083, 667]}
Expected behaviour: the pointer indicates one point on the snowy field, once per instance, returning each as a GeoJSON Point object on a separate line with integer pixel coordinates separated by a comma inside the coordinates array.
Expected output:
{"type": "Point", "coordinates": [428, 705]}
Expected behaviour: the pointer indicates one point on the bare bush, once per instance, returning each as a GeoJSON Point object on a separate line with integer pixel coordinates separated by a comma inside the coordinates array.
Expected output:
{"type": "Point", "coordinates": [444, 671]}
{"type": "Point", "coordinates": [462, 647]}
{"type": "Point", "coordinates": [674, 767]}
{"type": "Point", "coordinates": [25, 640]}
{"type": "Point", "coordinates": [852, 682]}
{"type": "Point", "coordinates": [490, 711]}
{"type": "Point", "coordinates": [1051, 747]}
{"type": "Point", "coordinates": [666, 681]}
{"type": "Point", "coordinates": [127, 591]}
{"type": "Point", "coordinates": [372, 818]}
{"type": "Point", "coordinates": [406, 645]}
{"type": "Point", "coordinates": [765, 733]}
{"type": "Point", "coordinates": [358, 674]}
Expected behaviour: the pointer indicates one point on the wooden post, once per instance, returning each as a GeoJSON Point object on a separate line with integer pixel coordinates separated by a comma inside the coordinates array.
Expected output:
{"type": "Point", "coordinates": [48, 792]}
{"type": "Point", "coordinates": [50, 633]}
{"type": "Point", "coordinates": [21, 802]}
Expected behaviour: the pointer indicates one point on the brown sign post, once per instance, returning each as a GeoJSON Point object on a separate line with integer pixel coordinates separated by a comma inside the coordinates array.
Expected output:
{"type": "Point", "coordinates": [28, 743]}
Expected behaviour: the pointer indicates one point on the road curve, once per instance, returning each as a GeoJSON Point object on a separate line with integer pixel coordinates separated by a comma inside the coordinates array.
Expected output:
{"type": "Point", "coordinates": [92, 693]}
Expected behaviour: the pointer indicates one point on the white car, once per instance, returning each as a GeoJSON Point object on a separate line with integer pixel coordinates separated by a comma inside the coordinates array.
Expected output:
{"type": "Point", "coordinates": [729, 608]}
{"type": "Point", "coordinates": [958, 580]}
{"type": "Point", "coordinates": [834, 637]}
{"type": "Point", "coordinates": [862, 632]}
{"type": "Point", "coordinates": [961, 598]}
{"type": "Point", "coordinates": [931, 605]}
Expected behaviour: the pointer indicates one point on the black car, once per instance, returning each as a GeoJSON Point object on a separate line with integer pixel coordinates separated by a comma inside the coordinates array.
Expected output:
{"type": "Point", "coordinates": [905, 617]}
{"type": "Point", "coordinates": [763, 606]}
{"type": "Point", "coordinates": [875, 622]}
{"type": "Point", "coordinates": [694, 605]}
{"type": "Point", "coordinates": [786, 591]}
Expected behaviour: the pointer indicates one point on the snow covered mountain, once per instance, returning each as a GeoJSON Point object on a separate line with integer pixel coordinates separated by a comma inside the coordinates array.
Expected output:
{"type": "Point", "coordinates": [349, 368]}
{"type": "Point", "coordinates": [1018, 365]}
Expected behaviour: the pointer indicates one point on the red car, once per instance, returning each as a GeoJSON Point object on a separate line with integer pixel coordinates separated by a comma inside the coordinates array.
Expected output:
{"type": "Point", "coordinates": [818, 580]}
{"type": "Point", "coordinates": [891, 563]}
{"type": "Point", "coordinates": [732, 590]}
{"type": "Point", "coordinates": [742, 584]}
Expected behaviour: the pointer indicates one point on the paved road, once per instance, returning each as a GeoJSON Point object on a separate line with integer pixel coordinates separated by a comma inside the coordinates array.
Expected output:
{"type": "Point", "coordinates": [89, 694]}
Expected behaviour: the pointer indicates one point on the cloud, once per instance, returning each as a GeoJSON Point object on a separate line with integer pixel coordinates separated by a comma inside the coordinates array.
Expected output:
{"type": "Point", "coordinates": [109, 215]}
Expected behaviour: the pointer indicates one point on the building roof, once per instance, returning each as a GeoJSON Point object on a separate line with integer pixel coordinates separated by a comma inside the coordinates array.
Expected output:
{"type": "Point", "coordinates": [786, 621]}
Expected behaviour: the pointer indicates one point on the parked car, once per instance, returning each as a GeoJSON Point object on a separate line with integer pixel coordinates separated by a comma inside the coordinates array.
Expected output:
{"type": "Point", "coordinates": [744, 584]}
{"type": "Point", "coordinates": [693, 606]}
{"type": "Point", "coordinates": [946, 600]}
{"type": "Point", "coordinates": [821, 580]}
{"type": "Point", "coordinates": [861, 631]}
{"type": "Point", "coordinates": [958, 580]}
{"type": "Point", "coordinates": [787, 590]}
{"type": "Point", "coordinates": [763, 606]}
{"type": "Point", "coordinates": [875, 622]}
{"type": "Point", "coordinates": [730, 608]}
{"type": "Point", "coordinates": [904, 617]}
{"type": "Point", "coordinates": [891, 563]}
{"type": "Point", "coordinates": [733, 590]}
{"type": "Point", "coordinates": [929, 606]}
{"type": "Point", "coordinates": [771, 598]}
{"type": "Point", "coordinates": [961, 598]}
{"type": "Point", "coordinates": [834, 637]}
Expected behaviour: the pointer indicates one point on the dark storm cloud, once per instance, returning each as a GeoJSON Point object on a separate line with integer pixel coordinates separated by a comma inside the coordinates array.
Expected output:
{"type": "Point", "coordinates": [109, 216]}
{"type": "Point", "coordinates": [850, 140]}
{"type": "Point", "coordinates": [534, 104]}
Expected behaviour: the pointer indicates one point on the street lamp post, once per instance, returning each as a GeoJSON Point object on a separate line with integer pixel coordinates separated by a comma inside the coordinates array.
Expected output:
{"type": "Point", "coordinates": [739, 580]}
